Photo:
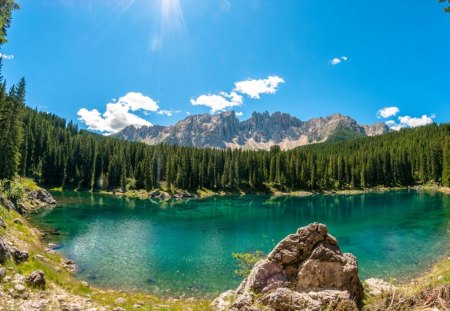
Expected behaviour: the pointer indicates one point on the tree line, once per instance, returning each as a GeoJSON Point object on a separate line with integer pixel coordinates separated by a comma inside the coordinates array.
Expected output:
{"type": "Point", "coordinates": [57, 153]}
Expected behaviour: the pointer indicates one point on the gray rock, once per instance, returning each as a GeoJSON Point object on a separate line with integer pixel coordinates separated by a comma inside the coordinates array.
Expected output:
{"type": "Point", "coordinates": [2, 273]}
{"type": "Point", "coordinates": [36, 279]}
{"type": "Point", "coordinates": [2, 223]}
{"type": "Point", "coordinates": [305, 271]}
{"type": "Point", "coordinates": [19, 288]}
{"type": "Point", "coordinates": [22, 208]}
{"type": "Point", "coordinates": [18, 221]}
{"type": "Point", "coordinates": [7, 203]}
{"type": "Point", "coordinates": [43, 196]}
{"type": "Point", "coordinates": [224, 301]}
{"type": "Point", "coordinates": [4, 251]}
{"type": "Point", "coordinates": [18, 255]}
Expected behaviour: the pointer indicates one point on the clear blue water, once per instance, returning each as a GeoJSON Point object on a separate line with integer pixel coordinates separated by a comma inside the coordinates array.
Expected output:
{"type": "Point", "coordinates": [186, 246]}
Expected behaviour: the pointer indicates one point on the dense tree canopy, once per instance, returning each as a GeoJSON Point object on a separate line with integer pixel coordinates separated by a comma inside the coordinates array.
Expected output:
{"type": "Point", "coordinates": [6, 9]}
{"type": "Point", "coordinates": [60, 155]}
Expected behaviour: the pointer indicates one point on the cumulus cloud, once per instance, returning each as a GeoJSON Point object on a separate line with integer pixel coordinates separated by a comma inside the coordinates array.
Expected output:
{"type": "Point", "coordinates": [387, 112]}
{"type": "Point", "coordinates": [254, 88]}
{"type": "Point", "coordinates": [337, 60]}
{"type": "Point", "coordinates": [118, 114]}
{"type": "Point", "coordinates": [239, 114]}
{"type": "Point", "coordinates": [220, 102]}
{"type": "Point", "coordinates": [6, 56]}
{"type": "Point", "coordinates": [408, 122]}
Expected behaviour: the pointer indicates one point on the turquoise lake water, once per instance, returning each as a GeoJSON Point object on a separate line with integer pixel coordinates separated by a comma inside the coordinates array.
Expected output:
{"type": "Point", "coordinates": [185, 247]}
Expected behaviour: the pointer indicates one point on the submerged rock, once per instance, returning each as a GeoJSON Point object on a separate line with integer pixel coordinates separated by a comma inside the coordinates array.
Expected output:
{"type": "Point", "coordinates": [305, 271]}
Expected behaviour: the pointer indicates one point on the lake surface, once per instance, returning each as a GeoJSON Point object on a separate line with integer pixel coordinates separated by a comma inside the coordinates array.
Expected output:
{"type": "Point", "coordinates": [185, 246]}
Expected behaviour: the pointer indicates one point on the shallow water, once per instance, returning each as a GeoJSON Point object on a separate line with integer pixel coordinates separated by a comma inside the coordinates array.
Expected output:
{"type": "Point", "coordinates": [186, 246]}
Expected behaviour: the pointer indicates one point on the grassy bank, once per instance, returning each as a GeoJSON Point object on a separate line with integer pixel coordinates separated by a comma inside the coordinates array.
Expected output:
{"type": "Point", "coordinates": [61, 283]}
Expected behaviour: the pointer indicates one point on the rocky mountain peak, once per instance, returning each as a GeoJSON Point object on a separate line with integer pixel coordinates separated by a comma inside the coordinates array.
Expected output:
{"type": "Point", "coordinates": [260, 131]}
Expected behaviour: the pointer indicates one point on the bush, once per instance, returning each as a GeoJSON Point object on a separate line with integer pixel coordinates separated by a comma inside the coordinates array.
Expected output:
{"type": "Point", "coordinates": [246, 261]}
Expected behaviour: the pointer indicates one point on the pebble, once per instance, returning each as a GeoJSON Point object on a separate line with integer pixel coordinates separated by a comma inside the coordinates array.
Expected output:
{"type": "Point", "coordinates": [40, 257]}
{"type": "Point", "coordinates": [440, 278]}
{"type": "Point", "coordinates": [119, 309]}
{"type": "Point", "coordinates": [19, 288]}
{"type": "Point", "coordinates": [120, 301]}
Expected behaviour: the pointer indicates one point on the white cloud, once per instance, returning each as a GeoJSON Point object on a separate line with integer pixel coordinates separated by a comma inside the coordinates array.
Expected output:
{"type": "Point", "coordinates": [218, 102]}
{"type": "Point", "coordinates": [138, 101]}
{"type": "Point", "coordinates": [387, 112]}
{"type": "Point", "coordinates": [407, 121]}
{"type": "Point", "coordinates": [6, 56]}
{"type": "Point", "coordinates": [239, 114]}
{"type": "Point", "coordinates": [168, 113]}
{"type": "Point", "coordinates": [254, 88]}
{"type": "Point", "coordinates": [118, 114]}
{"type": "Point", "coordinates": [337, 60]}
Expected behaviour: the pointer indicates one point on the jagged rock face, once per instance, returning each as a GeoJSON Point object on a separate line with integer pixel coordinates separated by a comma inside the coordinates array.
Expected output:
{"type": "Point", "coordinates": [261, 131]}
{"type": "Point", "coordinates": [305, 271]}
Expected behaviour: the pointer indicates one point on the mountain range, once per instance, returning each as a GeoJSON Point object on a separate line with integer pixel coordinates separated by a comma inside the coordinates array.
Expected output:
{"type": "Point", "coordinates": [260, 131]}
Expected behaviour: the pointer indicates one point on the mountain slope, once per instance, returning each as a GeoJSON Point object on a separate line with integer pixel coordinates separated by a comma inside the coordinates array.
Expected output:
{"type": "Point", "coordinates": [260, 131]}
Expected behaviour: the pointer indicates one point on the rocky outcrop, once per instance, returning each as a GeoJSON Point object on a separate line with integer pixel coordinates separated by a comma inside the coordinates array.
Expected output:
{"type": "Point", "coordinates": [11, 252]}
{"type": "Point", "coordinates": [260, 131]}
{"type": "Point", "coordinates": [7, 203]}
{"type": "Point", "coordinates": [305, 271]}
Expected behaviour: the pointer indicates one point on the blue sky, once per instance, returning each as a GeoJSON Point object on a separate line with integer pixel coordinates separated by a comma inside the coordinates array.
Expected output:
{"type": "Point", "coordinates": [149, 59]}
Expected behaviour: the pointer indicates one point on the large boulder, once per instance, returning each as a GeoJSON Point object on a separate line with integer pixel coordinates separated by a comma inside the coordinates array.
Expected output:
{"type": "Point", "coordinates": [305, 271]}
{"type": "Point", "coordinates": [36, 279]}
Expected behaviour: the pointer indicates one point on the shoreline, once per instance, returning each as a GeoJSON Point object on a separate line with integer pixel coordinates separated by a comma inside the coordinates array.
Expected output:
{"type": "Point", "coordinates": [203, 193]}
{"type": "Point", "coordinates": [64, 282]}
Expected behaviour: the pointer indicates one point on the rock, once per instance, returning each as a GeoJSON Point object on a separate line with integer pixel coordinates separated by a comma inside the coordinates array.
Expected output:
{"type": "Point", "coordinates": [85, 284]}
{"type": "Point", "coordinates": [305, 271]}
{"type": "Point", "coordinates": [18, 255]}
{"type": "Point", "coordinates": [18, 221]}
{"type": "Point", "coordinates": [43, 196]}
{"type": "Point", "coordinates": [224, 301]}
{"type": "Point", "coordinates": [119, 309]}
{"type": "Point", "coordinates": [2, 223]}
{"type": "Point", "coordinates": [22, 208]}
{"type": "Point", "coordinates": [154, 193]}
{"type": "Point", "coordinates": [2, 273]}
{"type": "Point", "coordinates": [4, 252]}
{"type": "Point", "coordinates": [70, 265]}
{"type": "Point", "coordinates": [377, 287]}
{"type": "Point", "coordinates": [36, 279]}
{"type": "Point", "coordinates": [120, 301]}
{"type": "Point", "coordinates": [40, 257]}
{"type": "Point", "coordinates": [19, 288]}
{"type": "Point", "coordinates": [7, 203]}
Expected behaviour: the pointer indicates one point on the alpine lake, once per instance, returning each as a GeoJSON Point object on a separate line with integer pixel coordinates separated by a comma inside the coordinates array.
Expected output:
{"type": "Point", "coordinates": [184, 247]}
